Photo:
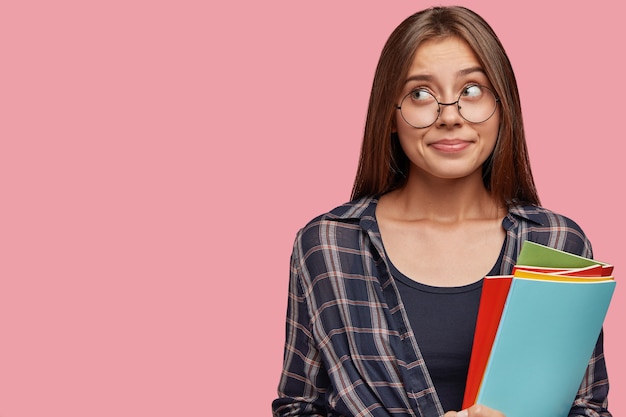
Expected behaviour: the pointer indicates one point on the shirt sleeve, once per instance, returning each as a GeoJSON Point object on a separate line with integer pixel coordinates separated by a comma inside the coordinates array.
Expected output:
{"type": "Point", "coordinates": [303, 383]}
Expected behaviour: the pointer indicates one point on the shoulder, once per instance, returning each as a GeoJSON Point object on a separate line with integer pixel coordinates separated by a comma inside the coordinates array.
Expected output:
{"type": "Point", "coordinates": [339, 227]}
{"type": "Point", "coordinates": [352, 212]}
{"type": "Point", "coordinates": [549, 228]}
{"type": "Point", "coordinates": [336, 242]}
{"type": "Point", "coordinates": [543, 217]}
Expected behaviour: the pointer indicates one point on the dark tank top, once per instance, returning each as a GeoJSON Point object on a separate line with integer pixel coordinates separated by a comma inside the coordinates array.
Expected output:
{"type": "Point", "coordinates": [443, 320]}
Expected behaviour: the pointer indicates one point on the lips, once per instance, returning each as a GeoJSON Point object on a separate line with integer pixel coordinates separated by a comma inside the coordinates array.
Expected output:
{"type": "Point", "coordinates": [450, 145]}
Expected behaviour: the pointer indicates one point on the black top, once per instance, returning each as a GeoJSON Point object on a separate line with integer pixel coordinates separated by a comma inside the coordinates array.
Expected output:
{"type": "Point", "coordinates": [443, 320]}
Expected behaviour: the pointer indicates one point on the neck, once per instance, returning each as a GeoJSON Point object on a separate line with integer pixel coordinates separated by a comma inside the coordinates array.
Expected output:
{"type": "Point", "coordinates": [445, 200]}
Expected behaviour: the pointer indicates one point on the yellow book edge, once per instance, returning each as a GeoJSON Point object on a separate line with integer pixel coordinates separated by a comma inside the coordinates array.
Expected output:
{"type": "Point", "coordinates": [520, 273]}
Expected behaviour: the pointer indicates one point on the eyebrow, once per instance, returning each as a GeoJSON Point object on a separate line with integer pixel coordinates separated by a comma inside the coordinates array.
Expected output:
{"type": "Point", "coordinates": [461, 73]}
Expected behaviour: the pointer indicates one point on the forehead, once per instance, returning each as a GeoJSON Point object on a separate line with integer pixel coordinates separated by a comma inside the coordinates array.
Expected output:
{"type": "Point", "coordinates": [443, 56]}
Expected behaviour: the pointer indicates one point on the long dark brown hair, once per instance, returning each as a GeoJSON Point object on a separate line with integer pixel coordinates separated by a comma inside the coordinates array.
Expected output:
{"type": "Point", "coordinates": [383, 166]}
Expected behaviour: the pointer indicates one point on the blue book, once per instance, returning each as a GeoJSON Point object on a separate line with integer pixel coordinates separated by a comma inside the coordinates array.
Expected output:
{"type": "Point", "coordinates": [545, 338]}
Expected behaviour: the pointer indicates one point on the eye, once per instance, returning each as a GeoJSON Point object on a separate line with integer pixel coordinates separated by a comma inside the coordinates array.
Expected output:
{"type": "Point", "coordinates": [421, 95]}
{"type": "Point", "coordinates": [472, 91]}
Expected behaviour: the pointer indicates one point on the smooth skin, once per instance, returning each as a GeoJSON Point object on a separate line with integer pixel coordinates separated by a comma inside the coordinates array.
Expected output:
{"type": "Point", "coordinates": [444, 213]}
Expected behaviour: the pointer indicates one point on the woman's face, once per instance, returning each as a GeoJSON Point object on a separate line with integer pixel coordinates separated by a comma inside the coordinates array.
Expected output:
{"type": "Point", "coordinates": [451, 147]}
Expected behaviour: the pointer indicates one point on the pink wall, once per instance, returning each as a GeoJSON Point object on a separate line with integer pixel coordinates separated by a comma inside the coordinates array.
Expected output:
{"type": "Point", "coordinates": [158, 157]}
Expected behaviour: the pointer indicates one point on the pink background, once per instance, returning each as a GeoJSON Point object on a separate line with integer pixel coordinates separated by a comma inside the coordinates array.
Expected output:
{"type": "Point", "coordinates": [158, 157]}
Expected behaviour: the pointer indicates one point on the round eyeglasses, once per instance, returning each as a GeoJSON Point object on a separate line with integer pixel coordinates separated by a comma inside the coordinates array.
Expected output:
{"type": "Point", "coordinates": [476, 104]}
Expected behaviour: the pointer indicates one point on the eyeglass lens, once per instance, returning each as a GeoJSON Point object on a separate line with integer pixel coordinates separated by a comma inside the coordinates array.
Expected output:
{"type": "Point", "coordinates": [476, 104]}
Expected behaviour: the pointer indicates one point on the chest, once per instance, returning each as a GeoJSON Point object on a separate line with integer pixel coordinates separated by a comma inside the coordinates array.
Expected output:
{"type": "Point", "coordinates": [443, 255]}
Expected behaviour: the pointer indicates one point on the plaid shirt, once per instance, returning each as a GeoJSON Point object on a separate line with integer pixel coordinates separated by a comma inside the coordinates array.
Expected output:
{"type": "Point", "coordinates": [349, 348]}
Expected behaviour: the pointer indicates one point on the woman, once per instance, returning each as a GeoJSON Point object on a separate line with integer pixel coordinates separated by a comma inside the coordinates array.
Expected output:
{"type": "Point", "coordinates": [384, 290]}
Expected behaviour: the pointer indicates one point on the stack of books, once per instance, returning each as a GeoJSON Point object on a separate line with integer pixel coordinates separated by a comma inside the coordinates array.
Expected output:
{"type": "Point", "coordinates": [536, 331]}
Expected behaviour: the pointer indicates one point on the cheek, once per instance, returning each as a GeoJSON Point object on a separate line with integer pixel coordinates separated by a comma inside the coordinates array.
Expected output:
{"type": "Point", "coordinates": [402, 128]}
{"type": "Point", "coordinates": [411, 141]}
{"type": "Point", "coordinates": [492, 131]}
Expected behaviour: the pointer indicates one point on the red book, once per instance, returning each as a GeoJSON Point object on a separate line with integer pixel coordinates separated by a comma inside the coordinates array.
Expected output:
{"type": "Point", "coordinates": [494, 294]}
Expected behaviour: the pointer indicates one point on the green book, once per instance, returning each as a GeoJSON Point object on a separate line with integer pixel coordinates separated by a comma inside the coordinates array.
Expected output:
{"type": "Point", "coordinates": [534, 254]}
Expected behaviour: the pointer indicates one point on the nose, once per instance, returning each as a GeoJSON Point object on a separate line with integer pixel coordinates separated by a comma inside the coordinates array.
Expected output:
{"type": "Point", "coordinates": [451, 117]}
